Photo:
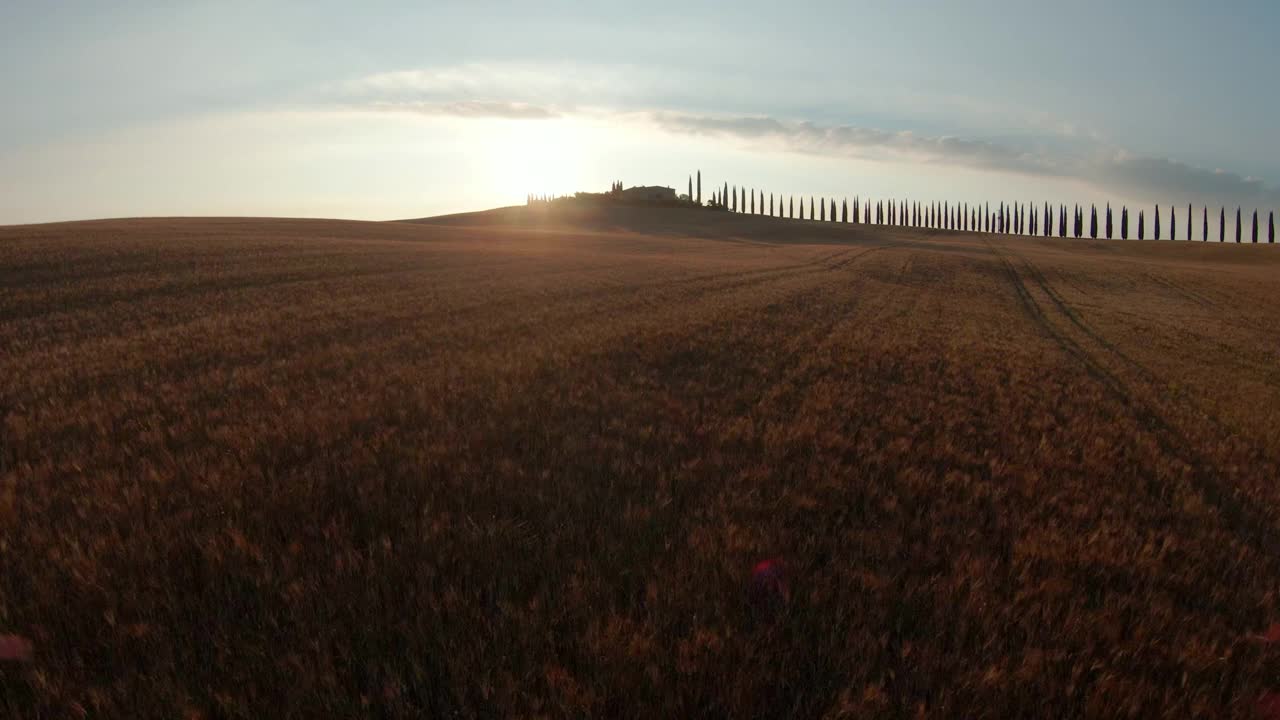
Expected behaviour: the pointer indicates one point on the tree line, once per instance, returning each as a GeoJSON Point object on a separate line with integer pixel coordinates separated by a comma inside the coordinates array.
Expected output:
{"type": "Point", "coordinates": [1015, 218]}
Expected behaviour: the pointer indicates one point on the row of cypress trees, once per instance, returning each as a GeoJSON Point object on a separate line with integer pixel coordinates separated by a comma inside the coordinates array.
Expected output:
{"type": "Point", "coordinates": [1005, 218]}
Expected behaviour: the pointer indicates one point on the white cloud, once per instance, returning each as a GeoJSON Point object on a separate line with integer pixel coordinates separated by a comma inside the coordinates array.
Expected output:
{"type": "Point", "coordinates": [471, 109]}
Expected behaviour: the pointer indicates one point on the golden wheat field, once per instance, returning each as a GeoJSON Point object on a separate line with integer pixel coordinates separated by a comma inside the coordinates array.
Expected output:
{"type": "Point", "coordinates": [522, 463]}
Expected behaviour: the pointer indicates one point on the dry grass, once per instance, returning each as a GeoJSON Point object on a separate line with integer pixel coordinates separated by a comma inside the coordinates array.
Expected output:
{"type": "Point", "coordinates": [518, 464]}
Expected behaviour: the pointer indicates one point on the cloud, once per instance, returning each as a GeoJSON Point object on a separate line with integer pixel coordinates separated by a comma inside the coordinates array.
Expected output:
{"type": "Point", "coordinates": [863, 142]}
{"type": "Point", "coordinates": [1163, 177]}
{"type": "Point", "coordinates": [620, 96]}
{"type": "Point", "coordinates": [471, 109]}
{"type": "Point", "coordinates": [1090, 162]}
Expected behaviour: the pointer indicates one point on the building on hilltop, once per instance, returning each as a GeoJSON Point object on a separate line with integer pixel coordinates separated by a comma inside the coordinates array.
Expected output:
{"type": "Point", "coordinates": [651, 194]}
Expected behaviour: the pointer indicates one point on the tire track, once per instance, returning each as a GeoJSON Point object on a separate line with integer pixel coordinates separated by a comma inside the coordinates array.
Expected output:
{"type": "Point", "coordinates": [1237, 512]}
{"type": "Point", "coordinates": [1148, 376]}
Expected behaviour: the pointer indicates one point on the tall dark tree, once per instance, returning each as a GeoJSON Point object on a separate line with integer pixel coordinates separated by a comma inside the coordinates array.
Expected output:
{"type": "Point", "coordinates": [822, 209]}
{"type": "Point", "coordinates": [1124, 223]}
{"type": "Point", "coordinates": [1141, 225]}
{"type": "Point", "coordinates": [791, 208]}
{"type": "Point", "coordinates": [1093, 222]}
{"type": "Point", "coordinates": [844, 211]}
{"type": "Point", "coordinates": [771, 205]}
{"type": "Point", "coordinates": [733, 200]}
{"type": "Point", "coordinates": [1237, 225]}
{"type": "Point", "coordinates": [1155, 224]}
{"type": "Point", "coordinates": [724, 196]}
{"type": "Point", "coordinates": [801, 207]}
{"type": "Point", "coordinates": [699, 199]}
{"type": "Point", "coordinates": [1204, 226]}
{"type": "Point", "coordinates": [1255, 227]}
{"type": "Point", "coordinates": [690, 187]}
{"type": "Point", "coordinates": [1173, 222]}
{"type": "Point", "coordinates": [1271, 227]}
{"type": "Point", "coordinates": [811, 215]}
{"type": "Point", "coordinates": [833, 210]}
{"type": "Point", "coordinates": [753, 202]}
{"type": "Point", "coordinates": [1109, 221]}
{"type": "Point", "coordinates": [1222, 224]}
{"type": "Point", "coordinates": [1190, 227]}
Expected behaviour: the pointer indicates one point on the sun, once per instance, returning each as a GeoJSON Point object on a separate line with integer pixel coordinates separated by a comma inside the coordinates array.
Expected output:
{"type": "Point", "coordinates": [535, 157]}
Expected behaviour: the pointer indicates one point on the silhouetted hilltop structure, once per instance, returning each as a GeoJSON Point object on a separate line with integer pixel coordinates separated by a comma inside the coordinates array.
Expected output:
{"type": "Point", "coordinates": [645, 195]}
{"type": "Point", "coordinates": [650, 194]}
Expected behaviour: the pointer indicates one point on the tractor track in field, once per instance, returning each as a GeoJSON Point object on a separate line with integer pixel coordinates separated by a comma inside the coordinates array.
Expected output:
{"type": "Point", "coordinates": [1236, 511]}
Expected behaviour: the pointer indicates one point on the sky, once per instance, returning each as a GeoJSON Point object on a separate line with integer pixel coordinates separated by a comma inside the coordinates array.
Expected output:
{"type": "Point", "coordinates": [388, 110]}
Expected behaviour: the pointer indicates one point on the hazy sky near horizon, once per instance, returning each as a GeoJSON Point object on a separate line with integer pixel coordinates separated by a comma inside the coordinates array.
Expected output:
{"type": "Point", "coordinates": [384, 110]}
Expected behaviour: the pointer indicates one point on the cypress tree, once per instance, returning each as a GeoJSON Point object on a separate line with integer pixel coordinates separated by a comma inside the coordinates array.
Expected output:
{"type": "Point", "coordinates": [1124, 223]}
{"type": "Point", "coordinates": [1222, 224]}
{"type": "Point", "coordinates": [1255, 227]}
{"type": "Point", "coordinates": [1271, 227]}
{"type": "Point", "coordinates": [833, 210]}
{"type": "Point", "coordinates": [1093, 222]}
{"type": "Point", "coordinates": [1190, 227]}
{"type": "Point", "coordinates": [811, 215]}
{"type": "Point", "coordinates": [1109, 221]}
{"type": "Point", "coordinates": [1205, 225]}
{"type": "Point", "coordinates": [771, 205]}
{"type": "Point", "coordinates": [1237, 224]}
{"type": "Point", "coordinates": [724, 195]}
{"type": "Point", "coordinates": [690, 187]}
{"type": "Point", "coordinates": [1141, 225]}
{"type": "Point", "coordinates": [753, 202]}
{"type": "Point", "coordinates": [699, 187]}
{"type": "Point", "coordinates": [733, 200]}
{"type": "Point", "coordinates": [791, 208]}
{"type": "Point", "coordinates": [844, 211]}
{"type": "Point", "coordinates": [1173, 222]}
{"type": "Point", "coordinates": [822, 208]}
{"type": "Point", "coordinates": [1155, 224]}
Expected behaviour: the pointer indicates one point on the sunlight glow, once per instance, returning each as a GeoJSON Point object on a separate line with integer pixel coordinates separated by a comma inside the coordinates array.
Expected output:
{"type": "Point", "coordinates": [536, 156]}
